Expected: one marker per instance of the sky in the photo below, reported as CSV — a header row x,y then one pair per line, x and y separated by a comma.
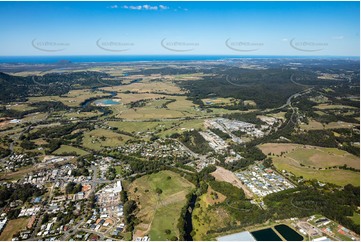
x,y
180,28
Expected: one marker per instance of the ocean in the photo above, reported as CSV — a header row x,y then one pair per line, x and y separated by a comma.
x,y
131,58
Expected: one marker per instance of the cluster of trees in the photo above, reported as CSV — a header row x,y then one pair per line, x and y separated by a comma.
x,y
21,192
269,88
16,88
221,134
111,173
4,152
82,171
246,117
195,142
73,187
305,201
130,207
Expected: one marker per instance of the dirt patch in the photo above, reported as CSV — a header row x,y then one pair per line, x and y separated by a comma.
x,y
4,122
12,227
225,175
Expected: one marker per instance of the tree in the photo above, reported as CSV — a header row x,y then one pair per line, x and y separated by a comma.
x,y
158,191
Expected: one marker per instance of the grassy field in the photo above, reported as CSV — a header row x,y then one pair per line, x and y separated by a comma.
x,y
20,107
331,106
162,128
314,156
314,125
159,212
148,87
82,114
12,227
99,138
153,110
356,218
68,149
204,219
311,161
72,99
218,101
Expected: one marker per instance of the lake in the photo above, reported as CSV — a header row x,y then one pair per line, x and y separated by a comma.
x,y
106,102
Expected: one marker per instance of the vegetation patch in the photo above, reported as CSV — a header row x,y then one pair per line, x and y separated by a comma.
x,y
160,198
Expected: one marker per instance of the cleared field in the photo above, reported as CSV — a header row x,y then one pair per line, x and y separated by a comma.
x,y
338,177
154,110
12,227
162,128
204,219
73,98
314,125
250,102
314,162
218,101
222,174
331,106
82,114
188,77
159,212
20,107
141,126
280,115
100,138
314,156
149,87
34,117
69,149
126,98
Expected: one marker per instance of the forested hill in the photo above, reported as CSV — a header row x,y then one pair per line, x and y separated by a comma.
x,y
16,88
13,88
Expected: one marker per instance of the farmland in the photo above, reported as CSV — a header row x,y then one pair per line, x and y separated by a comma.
x,y
97,139
159,212
69,149
313,162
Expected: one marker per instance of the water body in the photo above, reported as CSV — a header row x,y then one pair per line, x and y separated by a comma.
x,y
136,58
288,233
266,235
188,226
106,102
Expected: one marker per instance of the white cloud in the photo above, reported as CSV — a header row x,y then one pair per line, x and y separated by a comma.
x,y
145,7
163,7
114,6
284,39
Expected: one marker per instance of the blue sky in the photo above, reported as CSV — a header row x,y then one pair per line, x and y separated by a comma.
x,y
191,28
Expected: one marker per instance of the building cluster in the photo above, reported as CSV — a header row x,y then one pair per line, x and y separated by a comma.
x,y
159,148
16,161
332,229
26,212
214,141
108,200
262,182
145,238
229,126
60,177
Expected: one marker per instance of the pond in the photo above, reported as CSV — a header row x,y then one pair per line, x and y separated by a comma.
x,y
266,235
106,102
288,233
